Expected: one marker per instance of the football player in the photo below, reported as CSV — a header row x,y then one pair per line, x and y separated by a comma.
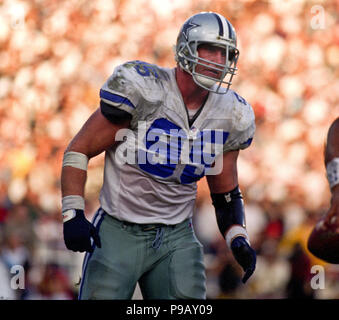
x,y
161,130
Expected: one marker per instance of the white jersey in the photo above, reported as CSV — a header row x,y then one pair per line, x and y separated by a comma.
x,y
151,176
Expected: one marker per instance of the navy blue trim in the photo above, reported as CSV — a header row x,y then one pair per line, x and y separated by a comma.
x,y
221,28
113,113
229,209
187,27
115,98
88,255
248,142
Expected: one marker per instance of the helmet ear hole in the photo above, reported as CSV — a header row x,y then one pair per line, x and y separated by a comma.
x,y
181,54
231,55
185,51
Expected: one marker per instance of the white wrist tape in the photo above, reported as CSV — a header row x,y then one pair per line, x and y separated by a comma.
x,y
75,159
73,202
332,169
236,231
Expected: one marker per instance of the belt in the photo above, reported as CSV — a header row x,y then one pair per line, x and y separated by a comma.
x,y
156,244
159,227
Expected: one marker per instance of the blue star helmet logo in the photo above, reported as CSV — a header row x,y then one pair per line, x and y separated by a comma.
x,y
189,25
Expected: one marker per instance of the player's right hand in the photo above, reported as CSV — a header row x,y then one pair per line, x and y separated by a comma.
x,y
78,231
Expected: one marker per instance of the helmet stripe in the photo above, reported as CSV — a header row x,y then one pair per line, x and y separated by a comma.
x,y
230,31
221,27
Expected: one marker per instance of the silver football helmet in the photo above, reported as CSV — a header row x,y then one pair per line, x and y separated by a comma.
x,y
208,28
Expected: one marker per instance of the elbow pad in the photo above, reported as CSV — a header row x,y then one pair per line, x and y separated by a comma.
x,y
230,214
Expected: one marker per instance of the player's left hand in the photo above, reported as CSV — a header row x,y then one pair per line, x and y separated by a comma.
x,y
244,255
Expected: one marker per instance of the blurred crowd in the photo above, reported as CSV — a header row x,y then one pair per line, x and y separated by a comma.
x,y
54,57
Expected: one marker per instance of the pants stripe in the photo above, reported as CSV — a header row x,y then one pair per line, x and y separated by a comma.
x,y
96,221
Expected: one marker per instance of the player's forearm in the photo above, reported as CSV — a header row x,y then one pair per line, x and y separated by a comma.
x,y
228,179
227,199
73,181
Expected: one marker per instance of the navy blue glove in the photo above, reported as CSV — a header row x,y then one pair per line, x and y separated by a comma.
x,y
244,255
78,232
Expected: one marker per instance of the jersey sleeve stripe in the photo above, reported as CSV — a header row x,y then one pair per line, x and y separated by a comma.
x,y
115,98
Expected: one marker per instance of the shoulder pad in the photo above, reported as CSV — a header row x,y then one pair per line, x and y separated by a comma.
x,y
136,79
243,114
122,79
139,70
143,69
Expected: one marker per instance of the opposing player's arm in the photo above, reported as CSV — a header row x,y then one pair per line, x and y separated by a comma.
x,y
229,208
332,155
332,145
323,241
332,169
